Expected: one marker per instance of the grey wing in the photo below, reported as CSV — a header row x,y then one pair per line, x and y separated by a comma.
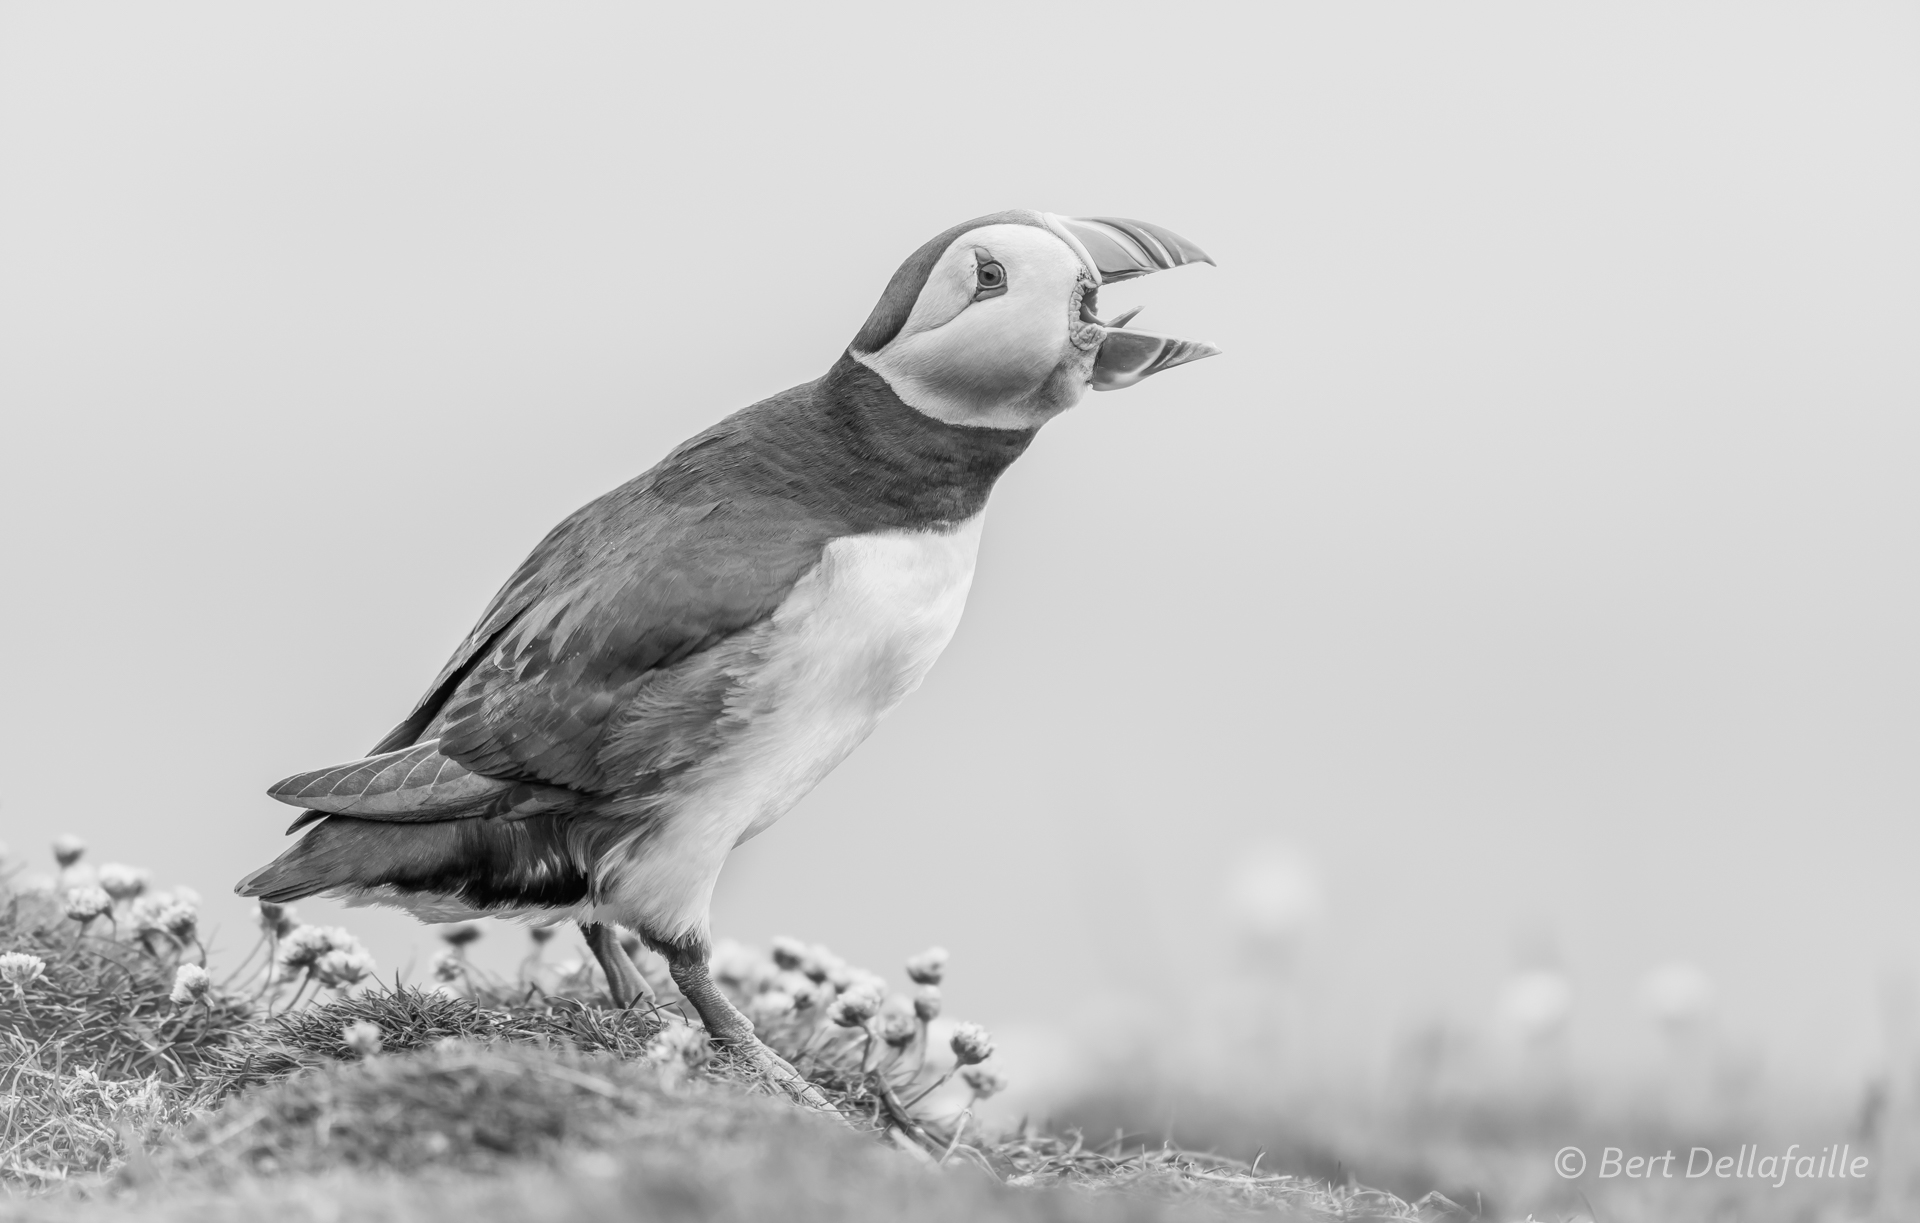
x,y
594,668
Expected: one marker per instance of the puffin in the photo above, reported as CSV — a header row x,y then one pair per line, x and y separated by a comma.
x,y
682,659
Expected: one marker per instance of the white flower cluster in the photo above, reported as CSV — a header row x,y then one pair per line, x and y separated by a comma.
x,y
19,969
175,914
85,904
811,1005
123,882
276,921
329,954
191,983
363,1039
678,1044
970,1044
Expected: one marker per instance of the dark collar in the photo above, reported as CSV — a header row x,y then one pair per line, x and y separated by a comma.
x,y
846,453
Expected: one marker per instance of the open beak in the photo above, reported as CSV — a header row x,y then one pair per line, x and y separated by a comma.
x,y
1116,249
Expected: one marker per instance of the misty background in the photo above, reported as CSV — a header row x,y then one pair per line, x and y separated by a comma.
x,y
1531,584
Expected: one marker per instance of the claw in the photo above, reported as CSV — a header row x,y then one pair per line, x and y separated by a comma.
x,y
780,1072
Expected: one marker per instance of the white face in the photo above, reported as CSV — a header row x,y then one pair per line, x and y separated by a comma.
x,y
996,338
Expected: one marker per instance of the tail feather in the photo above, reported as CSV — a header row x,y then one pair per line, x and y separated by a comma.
x,y
543,861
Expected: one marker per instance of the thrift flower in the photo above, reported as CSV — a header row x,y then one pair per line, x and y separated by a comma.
x,y
20,970
167,914
853,1008
276,921
447,966
123,882
67,849
460,935
304,945
790,953
983,1082
926,1003
971,1044
85,904
343,968
824,965
191,984
896,1028
929,967
362,1039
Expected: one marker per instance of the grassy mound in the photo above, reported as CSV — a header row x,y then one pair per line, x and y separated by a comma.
x,y
136,1085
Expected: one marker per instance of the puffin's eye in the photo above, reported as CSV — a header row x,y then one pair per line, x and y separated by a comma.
x,y
989,279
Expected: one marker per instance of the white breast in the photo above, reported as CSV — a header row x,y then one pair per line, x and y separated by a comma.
x,y
855,635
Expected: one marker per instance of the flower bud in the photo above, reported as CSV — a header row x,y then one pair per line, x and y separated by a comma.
x,y
541,935
971,1044
191,983
460,935
447,966
363,1039
983,1082
853,1008
123,882
789,953
929,967
823,965
67,849
896,1028
276,921
85,904
926,1003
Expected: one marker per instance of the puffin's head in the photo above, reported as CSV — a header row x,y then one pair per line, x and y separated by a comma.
x,y
993,324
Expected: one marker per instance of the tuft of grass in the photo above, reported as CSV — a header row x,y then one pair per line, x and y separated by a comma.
x,y
104,1003
410,1019
94,1051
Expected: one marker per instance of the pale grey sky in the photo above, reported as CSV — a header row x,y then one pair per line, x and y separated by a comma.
x,y
1539,560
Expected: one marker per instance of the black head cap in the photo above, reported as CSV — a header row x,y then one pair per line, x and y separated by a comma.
x,y
896,304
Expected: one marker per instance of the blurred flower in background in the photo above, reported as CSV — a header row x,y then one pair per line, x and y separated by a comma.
x,y
1274,902
1678,997
1536,1006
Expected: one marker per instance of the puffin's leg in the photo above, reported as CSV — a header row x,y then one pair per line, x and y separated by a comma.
x,y
624,981
727,1026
